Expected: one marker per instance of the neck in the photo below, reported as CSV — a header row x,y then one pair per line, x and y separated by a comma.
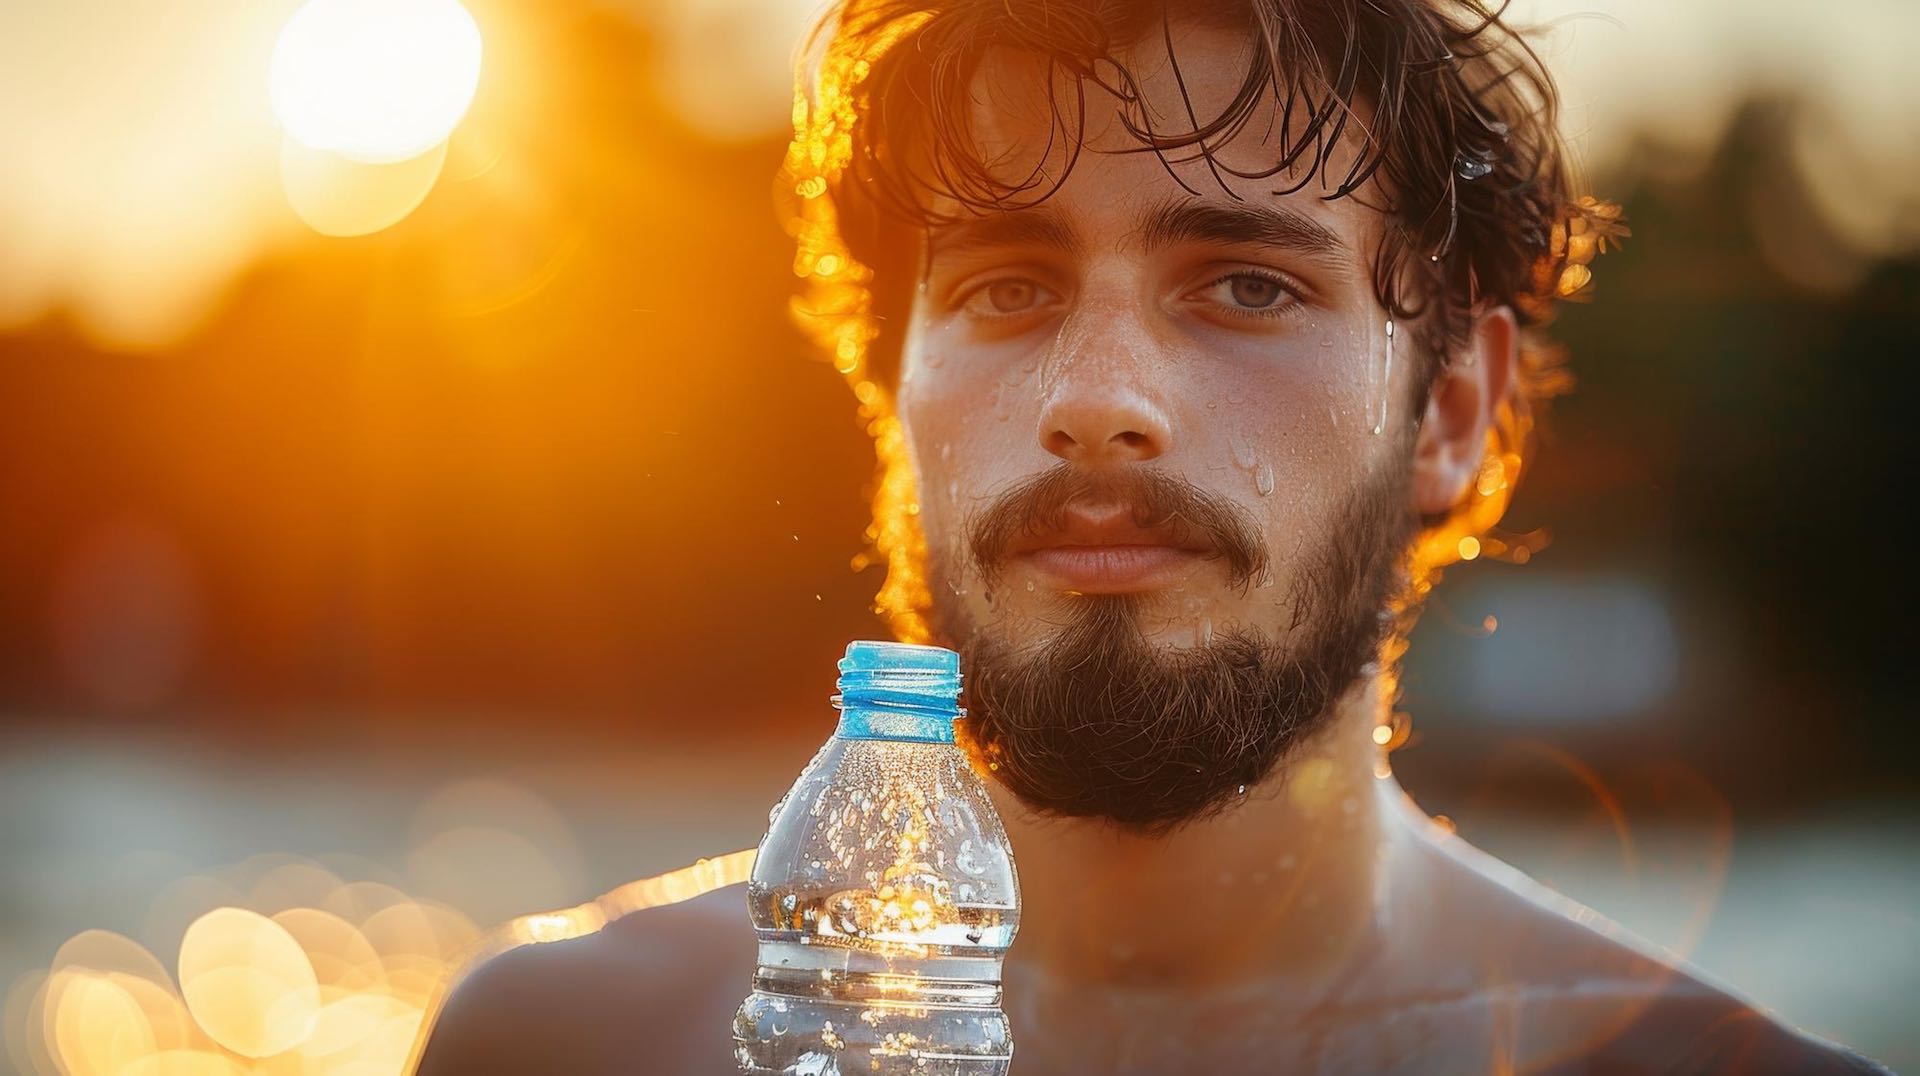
x,y
1280,886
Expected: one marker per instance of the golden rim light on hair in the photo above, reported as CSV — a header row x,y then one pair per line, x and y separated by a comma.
x,y
835,312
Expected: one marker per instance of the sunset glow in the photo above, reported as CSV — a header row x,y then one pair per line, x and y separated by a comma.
x,y
375,81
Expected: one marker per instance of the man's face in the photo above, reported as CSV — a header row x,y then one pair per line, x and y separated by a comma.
x,y
1163,441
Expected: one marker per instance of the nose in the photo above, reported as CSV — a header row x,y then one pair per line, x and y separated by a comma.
x,y
1103,419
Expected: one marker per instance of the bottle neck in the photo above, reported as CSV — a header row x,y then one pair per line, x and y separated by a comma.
x,y
873,719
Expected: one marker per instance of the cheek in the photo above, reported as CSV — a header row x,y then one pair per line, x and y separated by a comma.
x,y
1274,424
940,385
980,393
970,414
934,417
1290,438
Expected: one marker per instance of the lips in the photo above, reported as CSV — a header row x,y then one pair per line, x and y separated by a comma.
x,y
1103,551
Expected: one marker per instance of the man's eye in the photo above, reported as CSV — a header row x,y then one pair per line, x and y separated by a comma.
x,y
1006,298
1248,293
1255,291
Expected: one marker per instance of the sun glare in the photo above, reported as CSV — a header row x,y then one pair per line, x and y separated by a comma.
x,y
375,81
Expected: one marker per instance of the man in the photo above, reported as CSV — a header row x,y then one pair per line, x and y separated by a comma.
x,y
1195,339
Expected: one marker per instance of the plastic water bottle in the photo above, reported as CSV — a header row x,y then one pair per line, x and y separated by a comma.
x,y
884,895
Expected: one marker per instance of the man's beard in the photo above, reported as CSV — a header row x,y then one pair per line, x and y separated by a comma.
x,y
1095,721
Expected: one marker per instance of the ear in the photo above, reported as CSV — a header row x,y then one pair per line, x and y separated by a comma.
x,y
1467,395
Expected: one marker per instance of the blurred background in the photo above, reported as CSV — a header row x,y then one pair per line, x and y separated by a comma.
x,y
415,517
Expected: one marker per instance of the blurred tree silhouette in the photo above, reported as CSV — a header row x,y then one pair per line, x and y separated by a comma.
x,y
1732,437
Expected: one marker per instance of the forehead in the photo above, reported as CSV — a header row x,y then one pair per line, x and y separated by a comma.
x,y
1033,126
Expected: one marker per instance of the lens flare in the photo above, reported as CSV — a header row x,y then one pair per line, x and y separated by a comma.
x,y
376,81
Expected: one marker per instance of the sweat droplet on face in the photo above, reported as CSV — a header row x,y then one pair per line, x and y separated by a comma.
x,y
1386,380
1242,451
1263,478
1007,393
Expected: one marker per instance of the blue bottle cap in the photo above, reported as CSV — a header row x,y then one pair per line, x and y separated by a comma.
x,y
898,691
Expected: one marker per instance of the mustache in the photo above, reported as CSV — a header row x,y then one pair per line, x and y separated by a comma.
x,y
1040,504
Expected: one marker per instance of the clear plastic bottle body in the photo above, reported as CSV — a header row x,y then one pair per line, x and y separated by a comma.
x,y
884,899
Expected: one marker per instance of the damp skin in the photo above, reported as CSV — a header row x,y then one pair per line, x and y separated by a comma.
x,y
1257,371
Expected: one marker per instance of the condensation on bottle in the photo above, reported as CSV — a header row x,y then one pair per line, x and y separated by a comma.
x,y
883,896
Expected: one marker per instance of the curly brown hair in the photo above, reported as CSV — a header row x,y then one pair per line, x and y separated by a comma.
x,y
1454,114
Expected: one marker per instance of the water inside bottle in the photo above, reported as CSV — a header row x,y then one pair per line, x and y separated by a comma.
x,y
884,896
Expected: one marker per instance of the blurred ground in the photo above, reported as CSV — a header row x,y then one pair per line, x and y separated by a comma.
x,y
1815,917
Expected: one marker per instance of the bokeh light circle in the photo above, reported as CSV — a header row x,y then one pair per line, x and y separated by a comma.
x,y
375,81
94,1024
338,196
248,983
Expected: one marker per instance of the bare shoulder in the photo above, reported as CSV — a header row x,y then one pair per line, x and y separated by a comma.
x,y
1588,996
653,991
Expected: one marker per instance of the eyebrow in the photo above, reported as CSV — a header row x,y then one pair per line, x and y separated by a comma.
x,y
1163,226
1040,226
1239,222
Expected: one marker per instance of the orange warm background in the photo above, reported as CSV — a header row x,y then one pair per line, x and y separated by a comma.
x,y
502,555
